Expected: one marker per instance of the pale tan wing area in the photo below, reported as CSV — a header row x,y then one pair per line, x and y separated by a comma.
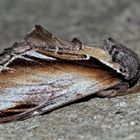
x,y
34,89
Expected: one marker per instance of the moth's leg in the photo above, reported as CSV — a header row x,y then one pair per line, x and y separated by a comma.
x,y
116,91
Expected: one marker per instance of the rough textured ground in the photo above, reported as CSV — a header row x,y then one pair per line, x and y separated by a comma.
x,y
116,118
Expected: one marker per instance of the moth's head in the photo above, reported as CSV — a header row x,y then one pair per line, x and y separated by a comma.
x,y
127,59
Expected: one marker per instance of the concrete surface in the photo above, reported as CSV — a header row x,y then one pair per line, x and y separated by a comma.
x,y
96,119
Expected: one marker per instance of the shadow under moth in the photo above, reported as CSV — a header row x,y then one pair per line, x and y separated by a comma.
x,y
44,72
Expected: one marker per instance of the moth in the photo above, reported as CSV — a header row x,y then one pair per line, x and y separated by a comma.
x,y
44,72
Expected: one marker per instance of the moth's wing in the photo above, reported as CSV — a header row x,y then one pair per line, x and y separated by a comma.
x,y
52,46
34,89
49,45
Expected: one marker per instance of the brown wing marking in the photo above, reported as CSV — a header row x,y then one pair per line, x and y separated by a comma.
x,y
36,89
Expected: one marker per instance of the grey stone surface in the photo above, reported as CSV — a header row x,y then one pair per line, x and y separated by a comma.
x,y
117,118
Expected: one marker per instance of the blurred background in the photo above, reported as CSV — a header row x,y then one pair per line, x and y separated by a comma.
x,y
88,20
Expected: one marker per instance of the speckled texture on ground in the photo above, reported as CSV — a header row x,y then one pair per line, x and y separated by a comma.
x,y
96,119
